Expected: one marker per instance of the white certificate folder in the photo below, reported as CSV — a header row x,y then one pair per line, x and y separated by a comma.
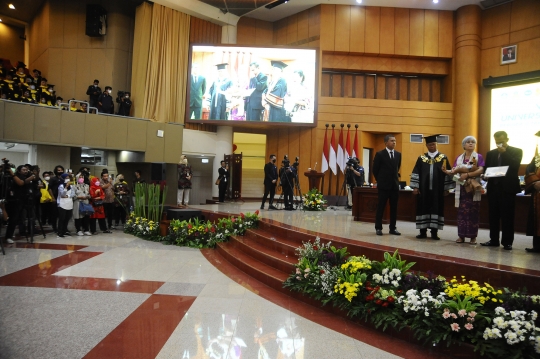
x,y
496,171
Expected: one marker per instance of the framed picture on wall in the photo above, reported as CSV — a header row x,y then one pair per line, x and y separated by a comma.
x,y
508,54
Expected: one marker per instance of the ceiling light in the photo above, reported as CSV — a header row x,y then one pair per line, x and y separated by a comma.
x,y
0,20
11,6
435,1
359,1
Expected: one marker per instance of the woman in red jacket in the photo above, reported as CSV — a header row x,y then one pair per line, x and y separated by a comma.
x,y
97,195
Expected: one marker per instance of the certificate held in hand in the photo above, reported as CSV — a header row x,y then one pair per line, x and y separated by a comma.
x,y
496,171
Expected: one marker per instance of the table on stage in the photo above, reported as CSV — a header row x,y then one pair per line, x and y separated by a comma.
x,y
365,201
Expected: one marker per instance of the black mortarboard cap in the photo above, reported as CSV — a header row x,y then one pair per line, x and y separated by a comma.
x,y
221,66
279,64
21,64
432,138
50,85
43,79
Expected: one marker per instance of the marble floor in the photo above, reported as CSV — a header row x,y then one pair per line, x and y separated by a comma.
x,y
117,296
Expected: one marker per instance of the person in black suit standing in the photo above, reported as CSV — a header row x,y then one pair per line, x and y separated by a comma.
x,y
196,93
386,167
501,191
94,91
270,181
223,180
258,83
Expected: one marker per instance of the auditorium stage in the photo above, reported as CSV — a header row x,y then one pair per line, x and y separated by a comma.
x,y
340,223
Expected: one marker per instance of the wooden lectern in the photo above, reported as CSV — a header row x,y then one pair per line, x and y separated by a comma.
x,y
314,178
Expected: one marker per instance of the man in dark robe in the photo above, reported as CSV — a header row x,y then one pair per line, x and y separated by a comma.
x,y
533,187
94,91
501,191
429,182
218,90
197,90
278,88
258,83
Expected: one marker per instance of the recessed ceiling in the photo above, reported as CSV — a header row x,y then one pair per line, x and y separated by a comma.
x,y
25,10
295,6
237,7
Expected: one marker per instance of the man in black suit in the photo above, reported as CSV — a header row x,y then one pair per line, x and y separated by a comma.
x,y
510,55
223,181
258,83
270,181
196,93
93,91
386,167
502,191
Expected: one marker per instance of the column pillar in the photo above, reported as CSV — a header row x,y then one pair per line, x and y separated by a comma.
x,y
468,43
228,34
224,144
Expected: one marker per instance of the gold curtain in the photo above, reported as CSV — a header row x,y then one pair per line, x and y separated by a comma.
x,y
160,63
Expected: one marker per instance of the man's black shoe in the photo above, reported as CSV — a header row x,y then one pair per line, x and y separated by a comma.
x,y
489,244
421,236
435,237
262,207
508,247
395,232
532,250
272,207
378,232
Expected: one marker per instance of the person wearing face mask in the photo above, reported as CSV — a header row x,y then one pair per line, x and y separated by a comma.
x,y
270,182
184,181
105,101
94,91
46,201
121,191
82,195
108,201
125,103
65,204
54,182
97,195
17,199
429,182
223,180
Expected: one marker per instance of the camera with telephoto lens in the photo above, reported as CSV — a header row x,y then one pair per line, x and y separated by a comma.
x,y
296,163
120,94
351,162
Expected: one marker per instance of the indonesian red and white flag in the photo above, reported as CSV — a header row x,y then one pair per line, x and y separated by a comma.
x,y
332,153
325,152
340,152
355,152
348,152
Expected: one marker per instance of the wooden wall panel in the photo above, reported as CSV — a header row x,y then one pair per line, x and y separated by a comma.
x,y
413,89
328,25
387,31
303,25
348,85
426,90
370,87
403,89
431,33
204,32
446,33
392,88
372,35
280,32
343,28
495,21
314,21
325,85
292,29
336,85
416,34
525,14
401,31
381,87
436,90
358,28
359,86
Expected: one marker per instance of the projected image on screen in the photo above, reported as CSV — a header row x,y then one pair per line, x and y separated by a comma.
x,y
250,84
516,110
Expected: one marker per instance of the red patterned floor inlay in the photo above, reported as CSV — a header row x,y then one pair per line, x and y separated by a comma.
x,y
383,341
61,247
145,331
41,275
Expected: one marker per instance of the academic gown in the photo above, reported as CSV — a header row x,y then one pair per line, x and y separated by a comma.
x,y
428,177
278,114
218,101
254,105
533,222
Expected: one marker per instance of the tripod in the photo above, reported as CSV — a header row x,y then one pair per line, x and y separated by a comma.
x,y
30,209
298,191
283,176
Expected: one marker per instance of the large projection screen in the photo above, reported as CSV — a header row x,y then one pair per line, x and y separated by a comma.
x,y
252,85
516,110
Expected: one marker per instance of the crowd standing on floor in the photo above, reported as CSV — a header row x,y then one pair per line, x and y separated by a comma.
x,y
53,198
18,84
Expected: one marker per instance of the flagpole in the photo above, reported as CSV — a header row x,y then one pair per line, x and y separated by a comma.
x,y
330,177
325,137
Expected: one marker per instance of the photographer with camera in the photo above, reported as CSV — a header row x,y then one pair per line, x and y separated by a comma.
x,y
354,173
270,182
122,98
19,196
287,177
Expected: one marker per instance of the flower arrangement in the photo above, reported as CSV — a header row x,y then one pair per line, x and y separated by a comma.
x,y
498,322
142,227
314,201
198,233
